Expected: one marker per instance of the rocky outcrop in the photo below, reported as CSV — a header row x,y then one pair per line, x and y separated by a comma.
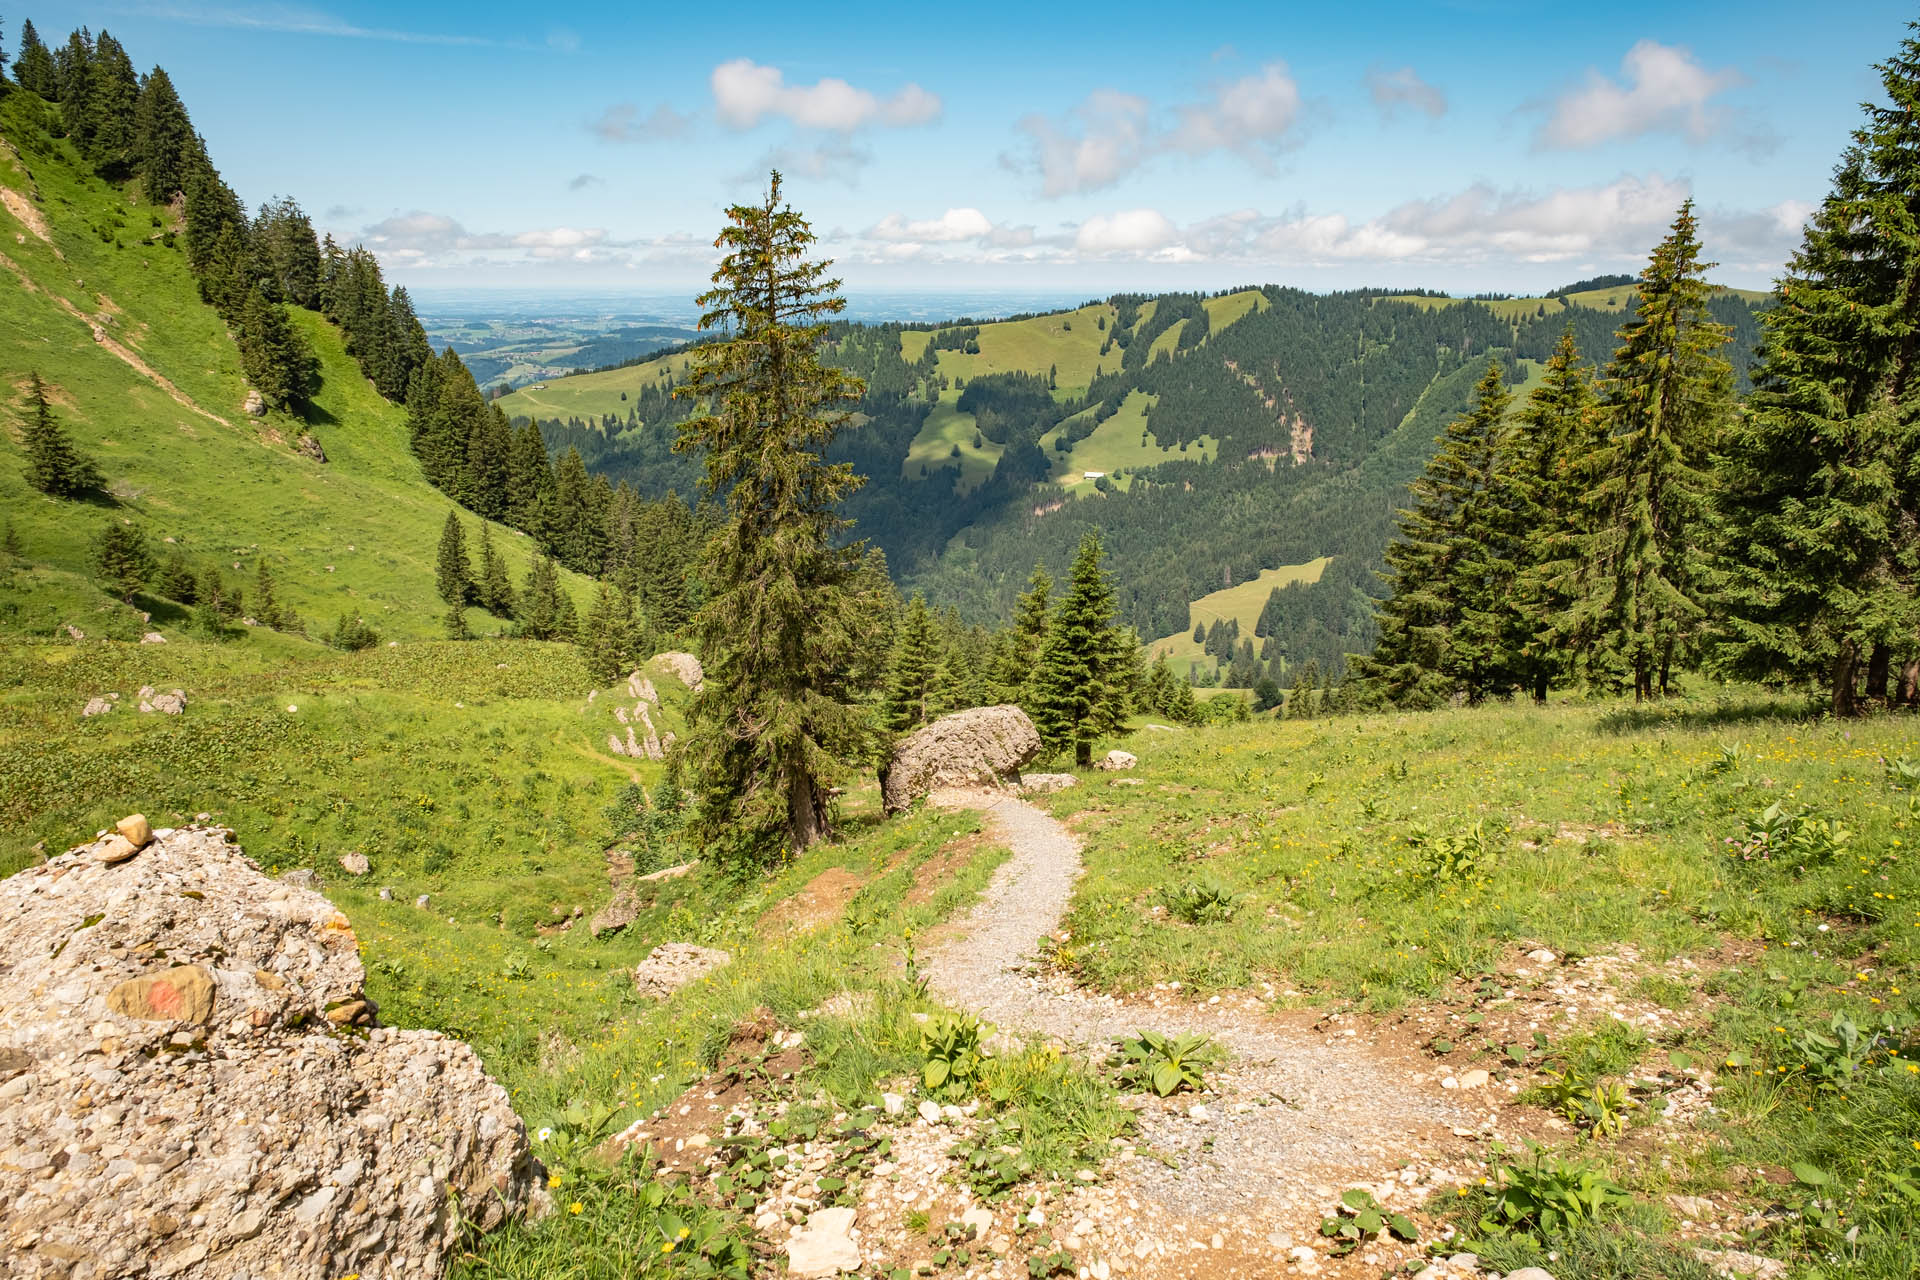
x,y
309,445
981,745
192,1084
685,668
672,965
255,405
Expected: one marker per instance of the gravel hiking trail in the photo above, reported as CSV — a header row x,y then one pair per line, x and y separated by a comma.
x,y
1293,1116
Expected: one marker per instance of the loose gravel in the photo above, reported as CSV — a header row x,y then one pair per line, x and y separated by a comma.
x,y
1292,1117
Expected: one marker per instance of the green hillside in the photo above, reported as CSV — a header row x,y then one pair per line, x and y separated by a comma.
x,y
1242,602
147,381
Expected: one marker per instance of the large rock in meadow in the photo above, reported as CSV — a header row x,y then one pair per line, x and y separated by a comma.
x,y
192,1084
982,745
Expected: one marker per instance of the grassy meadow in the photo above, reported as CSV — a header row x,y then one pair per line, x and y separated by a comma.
x,y
1120,444
1243,601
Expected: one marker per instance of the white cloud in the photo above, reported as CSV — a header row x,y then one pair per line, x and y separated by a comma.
x,y
436,239
1134,232
1392,90
622,122
1666,90
1110,134
745,93
953,225
957,234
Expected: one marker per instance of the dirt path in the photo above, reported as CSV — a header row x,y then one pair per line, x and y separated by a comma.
x,y
1294,1117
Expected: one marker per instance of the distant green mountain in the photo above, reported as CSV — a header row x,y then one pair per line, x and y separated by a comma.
x,y
1212,438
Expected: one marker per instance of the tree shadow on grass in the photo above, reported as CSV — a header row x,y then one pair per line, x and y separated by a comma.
x,y
1728,713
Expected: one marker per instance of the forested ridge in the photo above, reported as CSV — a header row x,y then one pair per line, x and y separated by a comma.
x,y
1323,408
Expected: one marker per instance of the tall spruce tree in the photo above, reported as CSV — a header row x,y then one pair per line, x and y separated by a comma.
x,y
1819,491
1082,684
164,147
1435,639
1018,650
1668,393
33,69
113,94
781,626
1556,436
453,575
493,587
612,639
910,680
273,355
54,466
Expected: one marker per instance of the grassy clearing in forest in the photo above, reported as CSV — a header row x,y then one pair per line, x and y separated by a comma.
x,y
948,429
1243,601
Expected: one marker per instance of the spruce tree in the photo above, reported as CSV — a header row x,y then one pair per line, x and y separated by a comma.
x,y
1667,394
781,628
54,466
911,678
113,93
1020,645
612,639
33,69
163,143
122,559
455,621
267,610
494,588
1081,684
1424,654
1817,498
1556,436
453,577
545,611
177,580
272,354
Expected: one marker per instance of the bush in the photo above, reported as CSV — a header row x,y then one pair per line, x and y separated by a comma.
x,y
352,633
1166,1065
1204,901
1547,1194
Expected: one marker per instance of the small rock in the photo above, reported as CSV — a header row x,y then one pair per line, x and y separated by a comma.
x,y
1694,1208
1530,1273
1117,760
96,707
1198,1111
114,848
672,965
1464,1261
301,878
354,864
153,637
1542,956
169,704
893,1104
386,893
981,1220
1474,1079
824,1248
254,406
423,901
1045,782
1736,1265
929,1111
136,828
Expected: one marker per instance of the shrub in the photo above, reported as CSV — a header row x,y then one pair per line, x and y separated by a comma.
x,y
352,633
954,1058
1204,901
1166,1065
1546,1194
1795,839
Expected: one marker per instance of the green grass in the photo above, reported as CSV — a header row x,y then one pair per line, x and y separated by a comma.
x,y
357,533
1614,299
1120,444
1224,311
1243,601
946,429
1596,828
591,395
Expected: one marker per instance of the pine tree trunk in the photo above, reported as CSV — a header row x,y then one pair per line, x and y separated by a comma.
x,y
1846,666
1666,669
1879,667
1909,694
806,815
1083,752
1642,680
1540,687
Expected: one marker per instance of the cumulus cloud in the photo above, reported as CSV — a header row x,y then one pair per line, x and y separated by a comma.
x,y
434,239
1110,134
955,235
622,122
1134,232
1392,90
745,93
1662,89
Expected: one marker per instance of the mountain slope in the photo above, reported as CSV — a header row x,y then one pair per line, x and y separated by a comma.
x,y
146,380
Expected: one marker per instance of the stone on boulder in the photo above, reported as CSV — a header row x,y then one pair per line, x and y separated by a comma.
x,y
672,965
685,668
183,1073
137,830
982,745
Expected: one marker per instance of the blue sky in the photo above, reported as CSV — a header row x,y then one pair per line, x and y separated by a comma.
x,y
1469,145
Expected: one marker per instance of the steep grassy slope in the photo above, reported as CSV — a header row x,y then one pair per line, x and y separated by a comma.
x,y
147,381
1243,602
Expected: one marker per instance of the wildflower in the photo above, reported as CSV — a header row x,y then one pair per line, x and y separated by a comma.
x,y
553,1180
575,1207
543,1135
